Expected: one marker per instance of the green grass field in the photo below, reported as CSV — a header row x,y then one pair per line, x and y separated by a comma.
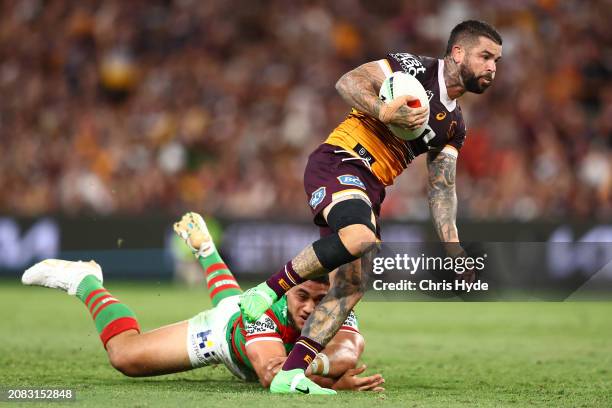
x,y
432,354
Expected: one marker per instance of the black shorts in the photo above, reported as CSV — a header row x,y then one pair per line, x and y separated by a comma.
x,y
327,177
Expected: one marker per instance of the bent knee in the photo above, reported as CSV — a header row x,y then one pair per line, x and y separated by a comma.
x,y
356,238
125,362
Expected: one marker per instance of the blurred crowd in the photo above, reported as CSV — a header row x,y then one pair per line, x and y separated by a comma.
x,y
126,107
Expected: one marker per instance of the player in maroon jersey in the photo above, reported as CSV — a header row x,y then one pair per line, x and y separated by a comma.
x,y
346,176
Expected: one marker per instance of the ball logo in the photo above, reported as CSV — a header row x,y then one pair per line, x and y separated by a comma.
x,y
317,197
350,180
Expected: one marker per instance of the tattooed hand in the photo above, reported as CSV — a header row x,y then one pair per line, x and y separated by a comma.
x,y
359,88
397,112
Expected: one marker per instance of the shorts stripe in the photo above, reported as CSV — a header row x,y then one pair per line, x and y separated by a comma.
x,y
340,194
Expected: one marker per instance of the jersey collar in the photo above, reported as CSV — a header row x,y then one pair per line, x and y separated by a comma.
x,y
449,104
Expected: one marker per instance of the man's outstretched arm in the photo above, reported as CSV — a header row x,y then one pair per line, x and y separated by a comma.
x,y
342,353
262,355
342,373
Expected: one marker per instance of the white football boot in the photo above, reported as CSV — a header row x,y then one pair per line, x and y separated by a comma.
x,y
60,274
192,229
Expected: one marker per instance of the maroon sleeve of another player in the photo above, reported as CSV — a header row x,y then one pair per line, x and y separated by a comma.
x,y
460,132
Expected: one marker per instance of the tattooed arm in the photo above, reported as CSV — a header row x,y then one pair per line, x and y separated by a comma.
x,y
443,198
359,88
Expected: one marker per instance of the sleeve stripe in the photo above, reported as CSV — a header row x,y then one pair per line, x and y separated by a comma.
x,y
349,328
385,67
267,334
253,340
451,150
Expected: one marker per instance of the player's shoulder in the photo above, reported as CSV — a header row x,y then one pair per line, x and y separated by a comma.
x,y
412,64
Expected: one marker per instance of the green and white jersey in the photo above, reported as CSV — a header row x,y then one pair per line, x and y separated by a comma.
x,y
274,325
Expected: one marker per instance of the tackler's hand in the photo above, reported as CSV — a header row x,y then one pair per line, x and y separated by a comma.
x,y
352,381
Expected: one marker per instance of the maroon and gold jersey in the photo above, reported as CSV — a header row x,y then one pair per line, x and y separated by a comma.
x,y
369,138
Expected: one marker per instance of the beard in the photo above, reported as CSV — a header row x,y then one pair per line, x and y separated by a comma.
x,y
472,82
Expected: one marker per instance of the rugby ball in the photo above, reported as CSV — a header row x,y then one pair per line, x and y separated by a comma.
x,y
401,84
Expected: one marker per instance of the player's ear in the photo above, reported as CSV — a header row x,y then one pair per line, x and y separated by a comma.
x,y
458,53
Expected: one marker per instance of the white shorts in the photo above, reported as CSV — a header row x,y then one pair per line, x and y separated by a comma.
x,y
206,338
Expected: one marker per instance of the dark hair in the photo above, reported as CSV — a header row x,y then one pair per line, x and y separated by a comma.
x,y
470,30
321,279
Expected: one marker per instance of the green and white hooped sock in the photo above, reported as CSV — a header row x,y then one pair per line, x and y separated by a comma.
x,y
111,317
219,280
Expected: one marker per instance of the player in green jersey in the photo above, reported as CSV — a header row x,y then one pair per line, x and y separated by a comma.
x,y
250,351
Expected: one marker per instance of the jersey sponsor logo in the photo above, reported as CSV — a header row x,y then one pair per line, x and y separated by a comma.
x,y
350,180
265,325
203,336
317,197
409,63
204,343
441,116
